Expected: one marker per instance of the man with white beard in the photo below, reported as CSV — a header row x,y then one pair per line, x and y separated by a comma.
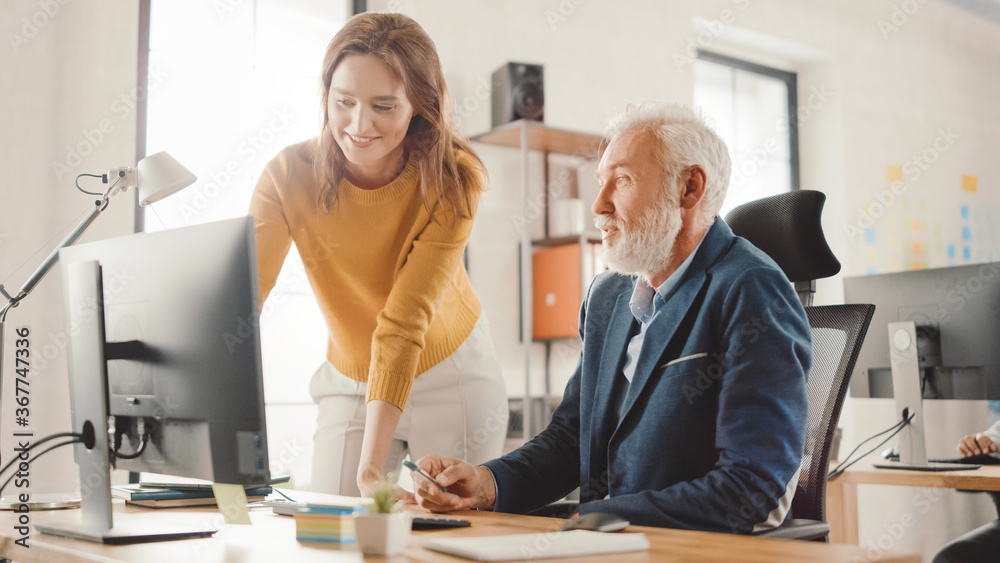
x,y
688,406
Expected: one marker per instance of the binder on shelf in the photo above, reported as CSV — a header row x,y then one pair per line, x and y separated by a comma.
x,y
559,277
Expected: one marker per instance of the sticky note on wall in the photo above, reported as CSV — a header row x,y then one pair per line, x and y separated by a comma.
x,y
969,182
893,172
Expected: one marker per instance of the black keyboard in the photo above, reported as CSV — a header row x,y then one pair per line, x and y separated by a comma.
x,y
992,458
438,522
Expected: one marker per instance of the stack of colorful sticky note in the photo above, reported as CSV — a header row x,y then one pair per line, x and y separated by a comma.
x,y
325,523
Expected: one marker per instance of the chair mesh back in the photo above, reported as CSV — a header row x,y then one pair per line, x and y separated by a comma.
x,y
788,227
837,334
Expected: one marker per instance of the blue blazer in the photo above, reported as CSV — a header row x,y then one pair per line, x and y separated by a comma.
x,y
713,424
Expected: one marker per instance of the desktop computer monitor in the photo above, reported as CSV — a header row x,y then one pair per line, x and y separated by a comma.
x,y
943,342
164,361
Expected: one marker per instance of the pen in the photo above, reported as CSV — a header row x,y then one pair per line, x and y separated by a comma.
x,y
414,467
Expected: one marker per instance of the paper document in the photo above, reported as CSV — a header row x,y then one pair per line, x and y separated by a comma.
x,y
538,546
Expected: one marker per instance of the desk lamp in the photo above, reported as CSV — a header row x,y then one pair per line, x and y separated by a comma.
x,y
156,177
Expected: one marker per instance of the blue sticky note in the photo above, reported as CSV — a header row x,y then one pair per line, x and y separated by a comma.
x,y
871,272
966,233
966,253
965,212
951,251
870,235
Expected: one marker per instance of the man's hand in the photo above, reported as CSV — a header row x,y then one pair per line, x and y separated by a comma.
x,y
976,444
468,486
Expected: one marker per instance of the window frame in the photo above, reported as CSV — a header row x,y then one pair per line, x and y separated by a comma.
x,y
791,83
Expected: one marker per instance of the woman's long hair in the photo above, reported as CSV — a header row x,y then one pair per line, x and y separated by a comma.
x,y
431,137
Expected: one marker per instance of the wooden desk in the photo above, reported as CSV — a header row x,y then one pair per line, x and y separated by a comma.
x,y
842,492
272,539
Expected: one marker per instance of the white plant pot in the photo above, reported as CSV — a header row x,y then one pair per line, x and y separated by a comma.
x,y
382,534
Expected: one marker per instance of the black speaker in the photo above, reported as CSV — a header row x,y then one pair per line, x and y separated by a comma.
x,y
517,93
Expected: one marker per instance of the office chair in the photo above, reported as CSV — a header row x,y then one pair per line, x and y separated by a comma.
x,y
787,228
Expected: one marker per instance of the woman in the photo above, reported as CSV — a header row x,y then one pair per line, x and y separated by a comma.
x,y
380,208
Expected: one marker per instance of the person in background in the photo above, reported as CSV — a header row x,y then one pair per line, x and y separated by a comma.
x,y
380,207
688,405
983,543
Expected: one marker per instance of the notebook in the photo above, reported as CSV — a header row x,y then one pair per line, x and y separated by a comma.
x,y
538,546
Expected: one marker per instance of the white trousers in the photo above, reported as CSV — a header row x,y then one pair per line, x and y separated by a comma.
x,y
456,409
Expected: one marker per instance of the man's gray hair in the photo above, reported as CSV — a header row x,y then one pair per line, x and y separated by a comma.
x,y
685,139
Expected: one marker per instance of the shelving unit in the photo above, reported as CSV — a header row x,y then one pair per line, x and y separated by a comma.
x,y
532,136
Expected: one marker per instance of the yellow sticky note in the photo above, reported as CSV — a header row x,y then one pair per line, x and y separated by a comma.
x,y
892,222
893,173
232,501
937,229
871,257
923,204
894,265
893,243
969,182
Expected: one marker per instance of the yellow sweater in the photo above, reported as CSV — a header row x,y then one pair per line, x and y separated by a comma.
x,y
389,281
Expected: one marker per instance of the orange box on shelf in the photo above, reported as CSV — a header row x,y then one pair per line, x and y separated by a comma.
x,y
558,286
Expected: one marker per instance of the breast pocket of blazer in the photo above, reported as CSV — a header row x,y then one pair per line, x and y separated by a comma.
x,y
691,363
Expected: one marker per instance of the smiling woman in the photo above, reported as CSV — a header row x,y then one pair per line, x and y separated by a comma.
x,y
380,208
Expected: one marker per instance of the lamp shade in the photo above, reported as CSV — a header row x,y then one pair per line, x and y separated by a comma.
x,y
160,175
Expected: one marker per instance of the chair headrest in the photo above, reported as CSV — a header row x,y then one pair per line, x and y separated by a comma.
x,y
788,227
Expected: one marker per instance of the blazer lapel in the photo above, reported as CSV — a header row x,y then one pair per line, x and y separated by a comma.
x,y
661,331
615,341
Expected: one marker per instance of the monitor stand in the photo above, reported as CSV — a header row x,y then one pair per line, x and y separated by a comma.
x,y
88,376
909,399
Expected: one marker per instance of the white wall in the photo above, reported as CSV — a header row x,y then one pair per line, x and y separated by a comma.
x,y
877,80
65,68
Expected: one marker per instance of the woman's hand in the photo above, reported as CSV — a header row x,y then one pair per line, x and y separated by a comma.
x,y
380,425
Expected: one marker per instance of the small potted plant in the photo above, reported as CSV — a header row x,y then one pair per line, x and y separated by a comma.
x,y
384,529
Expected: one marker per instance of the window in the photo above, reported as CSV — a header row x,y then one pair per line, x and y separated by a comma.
x,y
753,107
229,85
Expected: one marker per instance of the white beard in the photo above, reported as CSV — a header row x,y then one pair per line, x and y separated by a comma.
x,y
645,246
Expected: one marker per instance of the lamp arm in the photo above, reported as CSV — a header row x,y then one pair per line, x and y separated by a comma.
x,y
39,273
53,257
